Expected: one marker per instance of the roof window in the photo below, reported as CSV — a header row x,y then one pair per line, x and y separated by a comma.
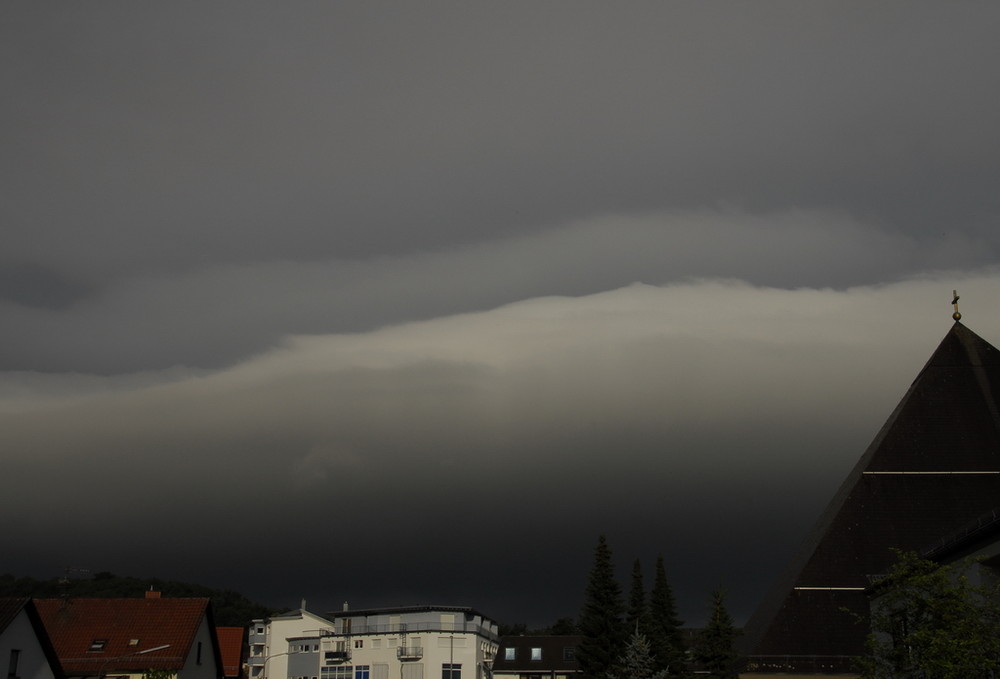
x,y
98,645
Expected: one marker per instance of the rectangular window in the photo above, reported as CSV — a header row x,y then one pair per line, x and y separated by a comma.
x,y
451,671
359,643
569,652
362,672
15,657
510,653
198,654
536,653
97,644
380,671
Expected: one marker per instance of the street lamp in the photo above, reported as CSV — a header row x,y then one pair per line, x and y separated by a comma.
x,y
100,672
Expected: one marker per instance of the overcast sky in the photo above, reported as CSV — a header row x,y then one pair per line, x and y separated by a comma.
x,y
402,303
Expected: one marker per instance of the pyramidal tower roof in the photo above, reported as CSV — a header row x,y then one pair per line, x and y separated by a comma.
x,y
932,468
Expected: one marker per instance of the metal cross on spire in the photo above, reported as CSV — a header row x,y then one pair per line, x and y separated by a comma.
x,y
957,316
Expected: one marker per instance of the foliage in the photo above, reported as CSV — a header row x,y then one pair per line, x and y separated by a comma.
x,y
666,638
159,674
229,608
601,624
637,662
930,620
637,618
715,645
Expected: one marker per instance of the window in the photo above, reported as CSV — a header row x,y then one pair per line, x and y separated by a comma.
x,y
359,643
97,644
451,671
362,672
339,672
197,658
569,652
536,653
510,653
15,656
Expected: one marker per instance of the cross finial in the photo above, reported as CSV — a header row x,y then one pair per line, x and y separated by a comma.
x,y
957,316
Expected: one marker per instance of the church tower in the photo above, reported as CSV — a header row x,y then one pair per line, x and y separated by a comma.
x,y
933,468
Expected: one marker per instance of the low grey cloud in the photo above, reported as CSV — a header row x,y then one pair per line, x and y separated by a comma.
x,y
672,418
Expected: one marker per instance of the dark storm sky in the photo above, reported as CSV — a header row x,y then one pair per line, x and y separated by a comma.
x,y
405,303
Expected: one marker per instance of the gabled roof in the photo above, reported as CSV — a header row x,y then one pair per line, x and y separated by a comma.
x,y
231,649
127,627
9,609
928,472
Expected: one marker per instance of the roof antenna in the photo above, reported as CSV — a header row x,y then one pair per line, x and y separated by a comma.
x,y
957,316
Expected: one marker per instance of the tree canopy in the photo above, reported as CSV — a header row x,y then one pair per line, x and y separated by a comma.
x,y
932,620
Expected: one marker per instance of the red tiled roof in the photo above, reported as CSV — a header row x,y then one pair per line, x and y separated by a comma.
x,y
231,648
127,627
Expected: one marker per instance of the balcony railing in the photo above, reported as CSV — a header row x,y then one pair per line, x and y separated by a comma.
x,y
340,655
410,652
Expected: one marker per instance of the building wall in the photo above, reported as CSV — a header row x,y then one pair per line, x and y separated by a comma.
x,y
31,661
201,662
270,651
437,644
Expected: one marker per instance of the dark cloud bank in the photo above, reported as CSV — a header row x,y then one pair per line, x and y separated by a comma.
x,y
398,304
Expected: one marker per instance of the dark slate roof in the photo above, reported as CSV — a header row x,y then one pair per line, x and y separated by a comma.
x,y
552,651
944,434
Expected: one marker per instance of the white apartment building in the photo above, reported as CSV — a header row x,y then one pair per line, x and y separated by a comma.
x,y
268,641
415,642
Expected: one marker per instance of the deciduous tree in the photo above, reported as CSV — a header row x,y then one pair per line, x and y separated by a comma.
x,y
931,620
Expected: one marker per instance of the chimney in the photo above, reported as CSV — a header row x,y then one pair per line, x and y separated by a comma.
x,y
152,595
345,606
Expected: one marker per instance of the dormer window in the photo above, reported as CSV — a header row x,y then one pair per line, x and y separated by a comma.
x,y
97,645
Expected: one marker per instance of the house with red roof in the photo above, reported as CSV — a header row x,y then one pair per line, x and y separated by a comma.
x,y
102,638
24,645
233,647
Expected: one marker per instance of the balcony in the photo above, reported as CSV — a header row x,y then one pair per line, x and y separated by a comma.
x,y
410,652
340,655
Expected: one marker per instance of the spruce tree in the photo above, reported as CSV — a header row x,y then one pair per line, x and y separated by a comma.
x,y
637,619
665,636
601,624
637,662
715,648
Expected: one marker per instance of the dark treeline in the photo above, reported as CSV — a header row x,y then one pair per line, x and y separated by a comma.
x,y
644,639
230,609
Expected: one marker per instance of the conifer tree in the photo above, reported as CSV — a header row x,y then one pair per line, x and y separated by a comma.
x,y
715,647
637,619
637,662
665,636
601,624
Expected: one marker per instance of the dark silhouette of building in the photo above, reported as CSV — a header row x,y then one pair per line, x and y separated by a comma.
x,y
933,468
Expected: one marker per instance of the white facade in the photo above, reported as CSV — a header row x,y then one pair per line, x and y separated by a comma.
x,y
420,642
269,645
21,650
